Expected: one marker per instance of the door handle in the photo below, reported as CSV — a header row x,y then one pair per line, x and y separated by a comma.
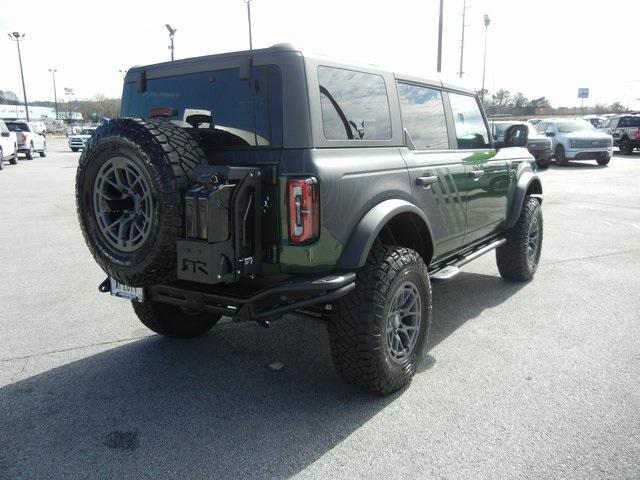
x,y
476,173
426,182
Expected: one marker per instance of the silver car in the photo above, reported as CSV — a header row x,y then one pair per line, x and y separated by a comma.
x,y
575,139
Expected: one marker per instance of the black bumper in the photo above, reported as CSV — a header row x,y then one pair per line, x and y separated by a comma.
x,y
262,304
590,155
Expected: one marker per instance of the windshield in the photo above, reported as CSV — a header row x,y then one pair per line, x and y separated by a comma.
x,y
577,126
17,127
500,128
227,109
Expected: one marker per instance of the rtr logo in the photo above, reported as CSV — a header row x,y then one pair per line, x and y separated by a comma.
x,y
195,266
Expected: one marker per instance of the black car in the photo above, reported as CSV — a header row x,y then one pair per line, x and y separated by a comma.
x,y
538,145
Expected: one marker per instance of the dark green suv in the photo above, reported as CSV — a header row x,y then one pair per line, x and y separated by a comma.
x,y
254,184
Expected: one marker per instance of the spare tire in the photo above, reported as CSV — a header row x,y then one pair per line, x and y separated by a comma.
x,y
129,197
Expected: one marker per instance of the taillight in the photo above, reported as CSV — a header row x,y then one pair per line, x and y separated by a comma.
x,y
304,209
638,134
23,138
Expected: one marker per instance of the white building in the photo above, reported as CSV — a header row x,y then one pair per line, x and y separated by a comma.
x,y
12,112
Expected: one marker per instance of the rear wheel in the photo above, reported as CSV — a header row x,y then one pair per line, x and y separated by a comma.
x,y
518,258
173,321
30,152
625,146
14,159
378,332
560,155
542,163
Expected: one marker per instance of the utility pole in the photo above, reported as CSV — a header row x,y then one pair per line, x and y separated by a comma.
x,y
172,32
487,21
440,37
464,17
248,2
17,36
69,92
55,94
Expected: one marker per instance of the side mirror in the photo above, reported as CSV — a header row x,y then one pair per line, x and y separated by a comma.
x,y
550,134
516,136
5,134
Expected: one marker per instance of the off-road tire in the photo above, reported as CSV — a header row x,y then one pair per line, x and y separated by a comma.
x,y
166,155
172,321
625,146
512,257
357,326
560,156
543,163
604,160
29,153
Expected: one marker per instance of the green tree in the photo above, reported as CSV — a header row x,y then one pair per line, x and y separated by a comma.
x,y
617,107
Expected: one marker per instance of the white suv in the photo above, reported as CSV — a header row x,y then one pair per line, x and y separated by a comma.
x,y
576,139
8,146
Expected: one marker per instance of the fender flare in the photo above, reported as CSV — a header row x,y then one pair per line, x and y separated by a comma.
x,y
528,180
361,240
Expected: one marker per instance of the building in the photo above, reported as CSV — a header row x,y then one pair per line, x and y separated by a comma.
x,y
12,112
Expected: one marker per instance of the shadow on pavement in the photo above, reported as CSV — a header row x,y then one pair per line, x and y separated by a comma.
x,y
204,408
577,165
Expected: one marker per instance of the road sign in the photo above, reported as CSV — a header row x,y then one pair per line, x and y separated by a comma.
x,y
583,93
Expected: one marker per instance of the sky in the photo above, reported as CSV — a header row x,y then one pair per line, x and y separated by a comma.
x,y
540,48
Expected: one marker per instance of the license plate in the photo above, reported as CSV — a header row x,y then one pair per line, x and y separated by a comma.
x,y
125,291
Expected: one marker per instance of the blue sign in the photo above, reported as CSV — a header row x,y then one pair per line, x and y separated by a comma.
x,y
583,93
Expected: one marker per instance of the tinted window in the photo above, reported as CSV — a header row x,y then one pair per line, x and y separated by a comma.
x,y
18,127
423,116
629,122
471,130
354,105
250,111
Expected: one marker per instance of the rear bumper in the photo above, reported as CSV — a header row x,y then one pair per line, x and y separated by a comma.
x,y
263,304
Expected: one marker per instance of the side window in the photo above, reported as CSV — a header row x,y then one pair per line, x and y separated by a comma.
x,y
423,116
542,126
551,128
623,122
354,105
471,130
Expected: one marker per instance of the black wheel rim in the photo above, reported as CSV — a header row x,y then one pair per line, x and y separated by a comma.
x,y
533,241
122,204
403,321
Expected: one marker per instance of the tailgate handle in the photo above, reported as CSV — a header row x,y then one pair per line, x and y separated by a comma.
x,y
426,182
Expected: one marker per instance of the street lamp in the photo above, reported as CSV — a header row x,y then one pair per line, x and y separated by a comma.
x,y
172,32
487,21
123,73
17,37
55,94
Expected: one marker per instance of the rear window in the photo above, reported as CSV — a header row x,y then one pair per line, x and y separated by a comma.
x,y
354,105
18,127
249,111
629,122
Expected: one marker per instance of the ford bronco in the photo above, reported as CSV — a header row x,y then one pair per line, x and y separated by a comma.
x,y
254,184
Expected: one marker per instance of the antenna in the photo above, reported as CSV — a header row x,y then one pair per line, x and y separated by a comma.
x,y
248,2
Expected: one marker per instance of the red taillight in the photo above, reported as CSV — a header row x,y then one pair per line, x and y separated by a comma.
x,y
23,138
304,209
638,134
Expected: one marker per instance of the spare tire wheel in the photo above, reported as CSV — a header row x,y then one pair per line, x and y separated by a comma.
x,y
129,199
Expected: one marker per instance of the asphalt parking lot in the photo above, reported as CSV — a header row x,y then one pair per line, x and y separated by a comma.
x,y
539,380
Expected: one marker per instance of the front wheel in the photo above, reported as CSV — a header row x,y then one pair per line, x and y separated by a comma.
x,y
73,149
560,155
604,160
172,321
1,159
378,332
542,163
43,153
14,159
518,258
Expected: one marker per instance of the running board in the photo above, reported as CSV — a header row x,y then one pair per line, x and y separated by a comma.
x,y
450,271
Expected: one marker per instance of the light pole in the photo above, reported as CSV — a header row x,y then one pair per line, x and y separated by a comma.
x,y
248,2
17,37
172,32
55,94
487,21
440,38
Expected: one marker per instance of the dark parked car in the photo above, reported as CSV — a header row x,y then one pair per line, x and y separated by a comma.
x,y
625,130
251,185
538,145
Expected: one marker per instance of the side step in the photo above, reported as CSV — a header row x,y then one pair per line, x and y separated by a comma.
x,y
450,271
